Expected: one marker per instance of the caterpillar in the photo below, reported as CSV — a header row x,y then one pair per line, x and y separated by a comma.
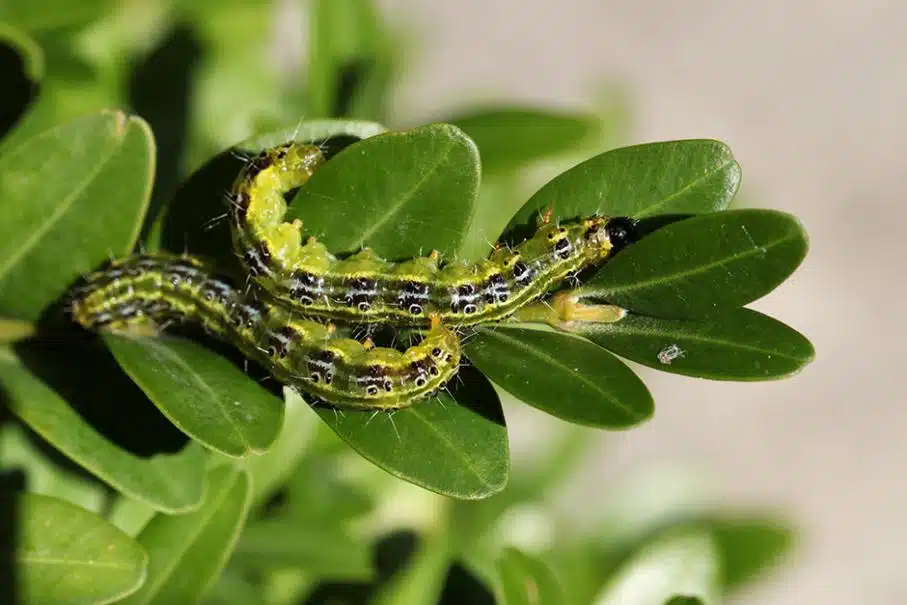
x,y
156,289
363,288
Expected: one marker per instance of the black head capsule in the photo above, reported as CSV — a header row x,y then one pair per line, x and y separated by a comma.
x,y
621,232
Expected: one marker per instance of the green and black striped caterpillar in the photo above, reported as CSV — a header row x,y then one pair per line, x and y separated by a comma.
x,y
305,276
301,282
301,353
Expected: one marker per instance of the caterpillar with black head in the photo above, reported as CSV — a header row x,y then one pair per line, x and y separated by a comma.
x,y
307,277
157,289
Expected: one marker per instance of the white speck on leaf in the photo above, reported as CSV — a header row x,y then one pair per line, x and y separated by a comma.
x,y
668,354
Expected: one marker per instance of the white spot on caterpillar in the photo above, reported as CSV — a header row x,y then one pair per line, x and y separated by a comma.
x,y
668,354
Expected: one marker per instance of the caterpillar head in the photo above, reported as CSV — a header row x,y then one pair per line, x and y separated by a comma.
x,y
605,236
294,158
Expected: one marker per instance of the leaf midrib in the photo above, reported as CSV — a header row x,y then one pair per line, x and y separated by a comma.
x,y
467,461
178,359
631,412
635,331
648,210
407,195
678,275
32,559
62,209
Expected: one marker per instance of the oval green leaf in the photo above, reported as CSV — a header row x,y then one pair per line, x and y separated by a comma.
x,y
703,265
402,193
454,447
44,476
740,344
567,377
509,138
671,177
68,555
187,552
201,393
677,562
313,131
72,196
527,581
321,549
170,483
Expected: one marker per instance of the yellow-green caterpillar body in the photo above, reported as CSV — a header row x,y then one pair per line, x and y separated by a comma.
x,y
301,353
302,274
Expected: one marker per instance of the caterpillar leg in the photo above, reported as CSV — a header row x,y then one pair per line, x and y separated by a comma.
x,y
565,309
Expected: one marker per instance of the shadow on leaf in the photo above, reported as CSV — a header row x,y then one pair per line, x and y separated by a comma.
x,y
18,90
160,91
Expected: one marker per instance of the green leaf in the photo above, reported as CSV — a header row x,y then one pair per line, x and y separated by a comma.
x,y
740,344
312,131
672,177
344,35
69,555
456,448
12,330
30,51
703,265
749,547
320,549
402,193
273,468
187,552
678,562
511,137
52,14
565,376
527,581
170,483
130,515
72,196
201,393
43,476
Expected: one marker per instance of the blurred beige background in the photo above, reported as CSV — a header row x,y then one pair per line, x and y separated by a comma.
x,y
811,97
